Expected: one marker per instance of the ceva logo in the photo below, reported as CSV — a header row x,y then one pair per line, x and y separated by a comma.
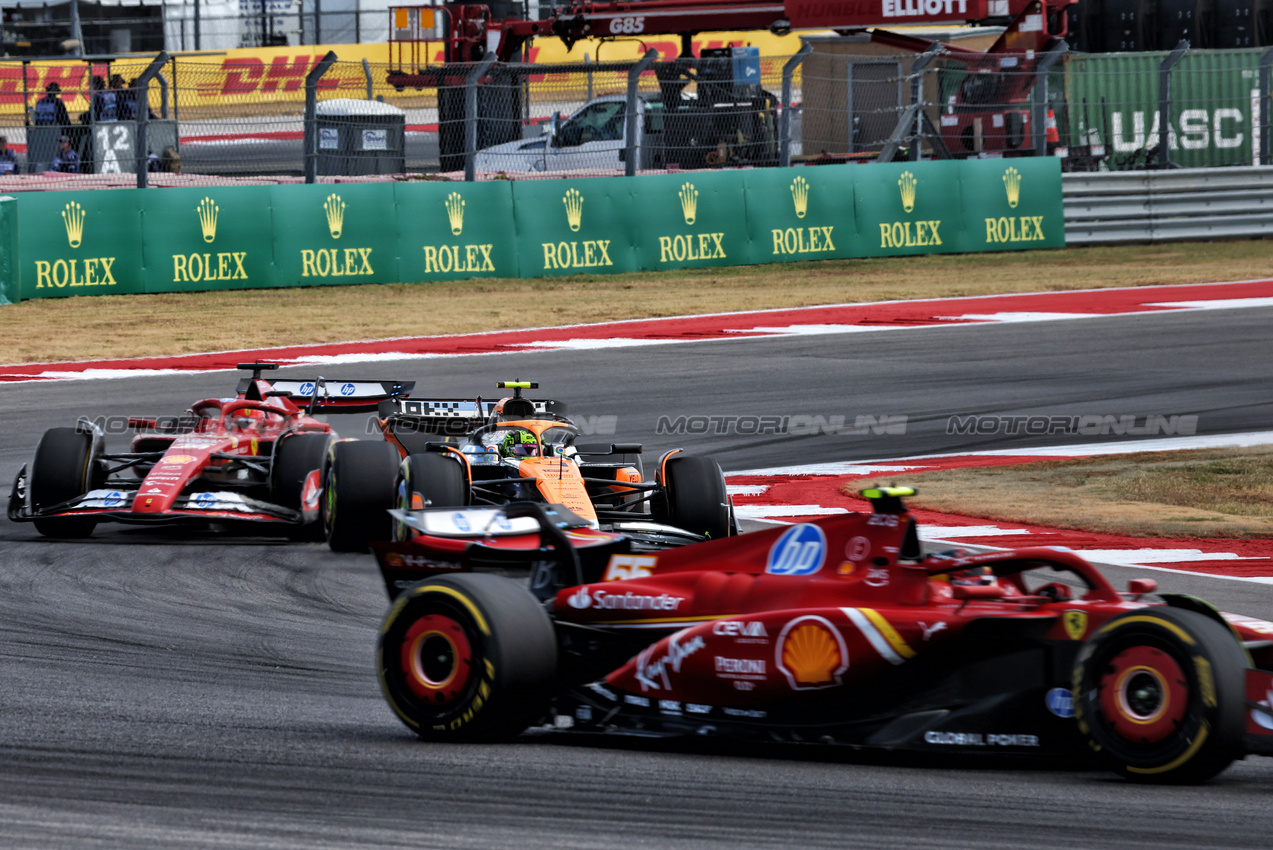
x,y
580,599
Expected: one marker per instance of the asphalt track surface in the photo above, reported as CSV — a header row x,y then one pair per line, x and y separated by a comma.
x,y
158,691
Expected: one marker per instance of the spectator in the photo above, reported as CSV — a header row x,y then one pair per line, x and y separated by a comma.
x,y
8,161
105,105
128,103
50,110
170,162
67,160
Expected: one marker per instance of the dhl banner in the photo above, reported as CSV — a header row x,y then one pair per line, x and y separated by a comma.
x,y
246,76
236,237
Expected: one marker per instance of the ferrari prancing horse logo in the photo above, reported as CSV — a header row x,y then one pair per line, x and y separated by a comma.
x,y
1075,624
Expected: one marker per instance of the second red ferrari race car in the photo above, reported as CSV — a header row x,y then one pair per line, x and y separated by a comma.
x,y
838,631
254,459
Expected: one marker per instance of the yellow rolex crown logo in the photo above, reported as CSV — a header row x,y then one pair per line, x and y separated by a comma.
x,y
800,194
574,208
689,202
455,212
335,209
907,184
73,218
208,218
1012,182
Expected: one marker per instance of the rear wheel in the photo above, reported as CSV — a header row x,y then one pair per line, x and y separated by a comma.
x,y
61,470
1159,693
429,481
694,489
358,493
467,658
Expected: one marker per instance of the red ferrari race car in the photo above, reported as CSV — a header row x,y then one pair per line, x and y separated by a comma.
x,y
256,458
836,631
459,452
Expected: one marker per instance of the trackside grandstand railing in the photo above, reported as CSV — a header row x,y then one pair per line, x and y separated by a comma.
x,y
215,119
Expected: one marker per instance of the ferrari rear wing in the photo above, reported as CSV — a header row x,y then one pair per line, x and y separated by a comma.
x,y
326,395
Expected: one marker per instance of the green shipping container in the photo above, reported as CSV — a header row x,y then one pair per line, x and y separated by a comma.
x,y
1112,99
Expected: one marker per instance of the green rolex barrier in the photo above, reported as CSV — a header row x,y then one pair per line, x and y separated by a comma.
x,y
578,226
689,220
329,235
10,281
909,208
209,238
800,214
1012,204
175,240
452,231
80,243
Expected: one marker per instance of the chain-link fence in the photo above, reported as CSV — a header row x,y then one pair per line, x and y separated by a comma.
x,y
210,119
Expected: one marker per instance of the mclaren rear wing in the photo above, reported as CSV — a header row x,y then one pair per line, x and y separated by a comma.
x,y
451,416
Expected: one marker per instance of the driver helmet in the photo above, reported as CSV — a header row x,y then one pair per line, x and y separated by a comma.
x,y
519,444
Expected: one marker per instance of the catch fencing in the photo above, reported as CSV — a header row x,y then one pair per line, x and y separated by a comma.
x,y
245,118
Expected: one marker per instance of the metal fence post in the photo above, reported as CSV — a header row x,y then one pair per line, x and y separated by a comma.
x,y
784,117
163,94
142,93
470,115
366,72
1164,101
630,124
1039,114
1266,61
918,67
311,115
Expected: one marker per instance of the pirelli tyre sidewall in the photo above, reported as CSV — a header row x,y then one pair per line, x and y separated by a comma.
x,y
1158,692
467,658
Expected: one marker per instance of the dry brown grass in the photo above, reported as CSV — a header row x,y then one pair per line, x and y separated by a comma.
x,y
129,325
1226,493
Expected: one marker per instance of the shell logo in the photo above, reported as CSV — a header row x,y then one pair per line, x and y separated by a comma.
x,y
179,459
811,653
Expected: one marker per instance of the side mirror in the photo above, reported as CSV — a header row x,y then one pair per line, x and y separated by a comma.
x,y
976,591
1138,587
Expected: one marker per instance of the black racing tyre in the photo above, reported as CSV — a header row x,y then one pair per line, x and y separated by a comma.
x,y
295,457
430,480
469,657
1159,694
358,493
694,489
61,470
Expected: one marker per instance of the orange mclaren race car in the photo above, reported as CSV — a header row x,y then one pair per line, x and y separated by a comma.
x,y
461,452
253,460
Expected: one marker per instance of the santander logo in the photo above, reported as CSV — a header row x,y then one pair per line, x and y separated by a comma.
x,y
580,599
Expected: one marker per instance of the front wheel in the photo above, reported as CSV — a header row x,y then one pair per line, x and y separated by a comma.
x,y
61,470
467,658
694,489
1159,694
430,480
